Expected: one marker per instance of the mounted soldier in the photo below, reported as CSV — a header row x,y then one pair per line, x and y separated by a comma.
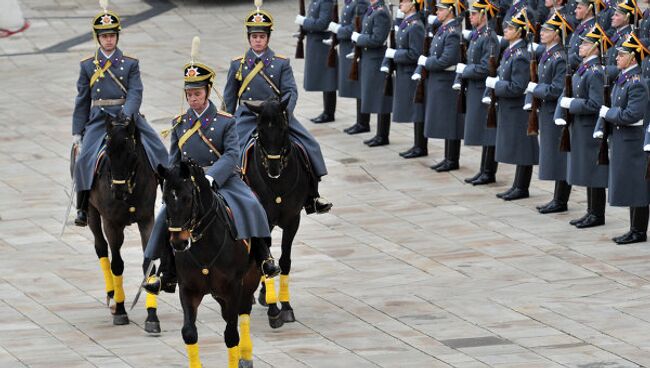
x,y
261,74
109,84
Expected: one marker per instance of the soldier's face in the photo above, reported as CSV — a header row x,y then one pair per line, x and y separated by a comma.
x,y
618,19
586,49
624,60
443,14
108,41
406,6
581,11
197,98
547,36
475,18
258,41
510,33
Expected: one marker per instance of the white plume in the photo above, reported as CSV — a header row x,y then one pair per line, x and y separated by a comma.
x,y
258,3
104,5
196,43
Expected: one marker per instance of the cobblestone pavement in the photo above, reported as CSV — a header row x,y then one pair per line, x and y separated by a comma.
x,y
411,268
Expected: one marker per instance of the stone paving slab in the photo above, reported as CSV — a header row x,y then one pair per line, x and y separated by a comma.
x,y
411,269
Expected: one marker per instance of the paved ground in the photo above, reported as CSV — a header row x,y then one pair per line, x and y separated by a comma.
x,y
412,268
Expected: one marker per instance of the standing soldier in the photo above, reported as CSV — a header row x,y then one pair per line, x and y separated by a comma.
x,y
550,73
376,25
318,75
260,74
109,84
624,15
585,11
442,118
410,39
483,43
628,186
347,87
513,145
582,167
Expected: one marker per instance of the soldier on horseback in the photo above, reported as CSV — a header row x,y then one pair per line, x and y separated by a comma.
x,y
208,137
261,74
109,84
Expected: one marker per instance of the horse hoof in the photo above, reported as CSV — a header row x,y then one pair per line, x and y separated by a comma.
x,y
287,316
276,321
152,327
245,363
262,299
120,319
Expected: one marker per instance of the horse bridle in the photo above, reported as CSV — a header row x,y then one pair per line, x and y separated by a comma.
x,y
266,157
130,179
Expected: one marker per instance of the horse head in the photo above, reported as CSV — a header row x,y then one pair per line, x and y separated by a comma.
x,y
121,150
272,133
184,183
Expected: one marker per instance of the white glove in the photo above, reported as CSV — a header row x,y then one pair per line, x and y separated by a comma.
x,y
460,67
646,148
396,28
355,36
390,53
598,134
535,46
384,69
416,76
399,14
565,103
422,60
527,107
560,122
431,19
455,86
350,55
76,139
327,41
333,27
300,20
450,68
467,34
531,86
499,38
490,82
210,179
603,111
486,100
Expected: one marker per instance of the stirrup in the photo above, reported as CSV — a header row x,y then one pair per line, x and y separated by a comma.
x,y
322,205
153,285
272,273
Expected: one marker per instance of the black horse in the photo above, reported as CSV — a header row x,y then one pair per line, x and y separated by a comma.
x,y
209,260
123,193
279,174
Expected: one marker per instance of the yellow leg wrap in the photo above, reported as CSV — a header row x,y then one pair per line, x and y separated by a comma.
x,y
245,342
233,357
284,288
271,296
119,289
193,355
151,301
105,264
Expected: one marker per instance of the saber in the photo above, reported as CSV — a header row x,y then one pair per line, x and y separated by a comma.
x,y
73,156
146,276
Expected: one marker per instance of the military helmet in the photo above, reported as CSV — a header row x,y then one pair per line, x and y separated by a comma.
x,y
456,5
633,45
106,21
521,21
597,36
558,24
485,6
196,74
596,5
630,9
259,21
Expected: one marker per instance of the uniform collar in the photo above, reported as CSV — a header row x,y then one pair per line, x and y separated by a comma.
x,y
627,74
590,61
115,57
547,54
205,117
266,57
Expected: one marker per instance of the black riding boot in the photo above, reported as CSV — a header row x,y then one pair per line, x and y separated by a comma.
x,y
329,107
489,168
452,155
560,199
638,226
481,168
595,216
419,148
383,129
260,249
521,184
363,122
314,203
82,208
166,279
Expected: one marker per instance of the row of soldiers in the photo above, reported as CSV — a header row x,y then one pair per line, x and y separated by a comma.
x,y
555,84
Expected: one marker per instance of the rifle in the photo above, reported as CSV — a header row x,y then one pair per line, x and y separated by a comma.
x,y
354,69
565,139
332,55
300,47
603,152
388,82
533,118
419,90
492,72
461,105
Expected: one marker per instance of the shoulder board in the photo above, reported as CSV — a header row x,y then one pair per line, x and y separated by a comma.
x,y
596,68
557,55
635,78
237,58
177,119
223,113
451,28
87,58
129,57
281,56
519,51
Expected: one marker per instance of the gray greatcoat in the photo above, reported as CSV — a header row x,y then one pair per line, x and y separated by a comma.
x,y
89,121
376,26
513,144
278,69
220,129
550,73
410,39
482,43
618,37
627,160
575,41
352,8
442,119
582,161
318,76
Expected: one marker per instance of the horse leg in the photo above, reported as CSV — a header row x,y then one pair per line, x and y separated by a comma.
x,y
115,235
229,312
288,234
262,295
190,303
101,249
250,282
152,323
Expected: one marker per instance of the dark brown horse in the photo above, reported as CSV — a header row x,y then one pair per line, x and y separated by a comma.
x,y
279,174
123,193
209,260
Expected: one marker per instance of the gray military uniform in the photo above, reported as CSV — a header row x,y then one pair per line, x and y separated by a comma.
x,y
575,41
318,76
513,145
347,87
88,120
278,69
442,119
618,37
410,38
